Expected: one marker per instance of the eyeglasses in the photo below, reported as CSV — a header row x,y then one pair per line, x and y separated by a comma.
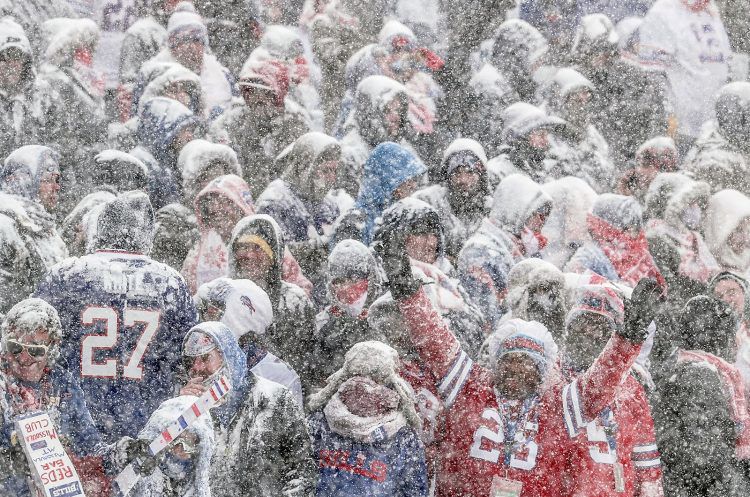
x,y
16,348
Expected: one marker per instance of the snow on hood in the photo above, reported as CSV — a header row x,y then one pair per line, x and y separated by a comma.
x,y
733,111
351,259
628,33
516,199
395,29
202,427
387,168
198,156
121,170
65,35
268,229
174,73
572,199
520,119
409,214
595,34
726,210
12,35
619,211
657,144
126,223
28,316
235,363
79,227
23,170
670,193
362,64
282,42
373,94
517,42
229,186
528,272
530,338
161,119
261,71
462,146
567,81
300,160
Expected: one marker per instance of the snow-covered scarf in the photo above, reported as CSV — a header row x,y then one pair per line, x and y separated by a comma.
x,y
367,429
696,260
734,389
629,255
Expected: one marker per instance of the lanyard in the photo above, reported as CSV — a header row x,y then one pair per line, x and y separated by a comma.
x,y
510,426
610,429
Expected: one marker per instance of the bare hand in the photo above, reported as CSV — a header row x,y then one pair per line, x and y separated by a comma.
x,y
194,387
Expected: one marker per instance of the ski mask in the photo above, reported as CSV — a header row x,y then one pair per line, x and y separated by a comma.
x,y
351,297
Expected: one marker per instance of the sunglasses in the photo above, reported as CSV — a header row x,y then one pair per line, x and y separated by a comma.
x,y
34,350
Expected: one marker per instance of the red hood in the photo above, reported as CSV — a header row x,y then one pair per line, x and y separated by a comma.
x,y
230,186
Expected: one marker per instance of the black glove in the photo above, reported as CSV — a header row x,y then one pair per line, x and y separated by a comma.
x,y
395,262
136,451
640,310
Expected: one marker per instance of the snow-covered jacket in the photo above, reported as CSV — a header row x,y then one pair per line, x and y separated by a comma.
x,y
20,110
29,241
720,156
458,223
579,148
366,127
142,41
726,210
388,167
613,252
199,156
565,228
160,121
75,120
159,483
669,195
290,335
484,262
261,419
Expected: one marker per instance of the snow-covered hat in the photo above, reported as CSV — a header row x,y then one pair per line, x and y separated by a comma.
x,y
601,300
28,316
247,308
529,338
185,25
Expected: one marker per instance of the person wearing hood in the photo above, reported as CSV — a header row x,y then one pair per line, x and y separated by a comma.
x,y
655,156
260,429
20,115
165,126
675,207
301,201
696,64
176,82
579,147
727,230
618,249
511,232
187,44
200,162
461,193
735,291
391,173
721,155
380,114
630,104
262,123
702,421
79,227
175,234
34,377
521,398
565,228
353,282
184,467
525,144
631,462
246,310
119,171
125,316
222,203
256,253
29,240
422,230
365,428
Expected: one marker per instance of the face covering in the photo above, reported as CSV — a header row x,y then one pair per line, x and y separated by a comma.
x,y
176,468
691,216
532,242
351,298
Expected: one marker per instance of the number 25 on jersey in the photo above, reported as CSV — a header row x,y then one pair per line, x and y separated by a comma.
x,y
131,368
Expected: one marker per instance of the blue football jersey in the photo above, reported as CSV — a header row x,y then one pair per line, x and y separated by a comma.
x,y
124,317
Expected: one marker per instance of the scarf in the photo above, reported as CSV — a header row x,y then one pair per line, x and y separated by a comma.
x,y
366,429
629,256
734,389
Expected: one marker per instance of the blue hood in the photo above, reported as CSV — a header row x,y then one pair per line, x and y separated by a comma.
x,y
24,168
236,364
387,168
160,121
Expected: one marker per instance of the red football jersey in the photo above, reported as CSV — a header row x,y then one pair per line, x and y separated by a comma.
x,y
473,449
